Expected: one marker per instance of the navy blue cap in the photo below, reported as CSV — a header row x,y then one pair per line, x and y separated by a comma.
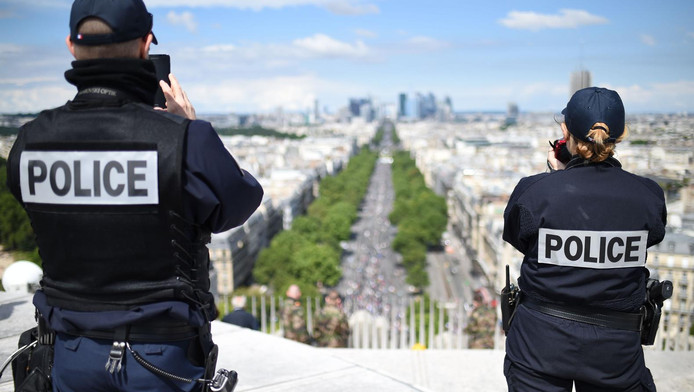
x,y
128,19
594,105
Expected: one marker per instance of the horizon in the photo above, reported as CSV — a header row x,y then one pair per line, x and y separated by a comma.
x,y
255,57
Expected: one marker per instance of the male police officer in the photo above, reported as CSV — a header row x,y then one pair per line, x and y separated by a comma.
x,y
122,199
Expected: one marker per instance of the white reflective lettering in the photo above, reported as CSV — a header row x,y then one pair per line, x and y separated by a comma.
x,y
89,177
592,249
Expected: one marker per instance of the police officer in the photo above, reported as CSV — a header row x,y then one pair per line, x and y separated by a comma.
x,y
584,231
123,199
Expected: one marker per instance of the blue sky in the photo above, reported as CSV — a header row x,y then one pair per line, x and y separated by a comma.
x,y
259,55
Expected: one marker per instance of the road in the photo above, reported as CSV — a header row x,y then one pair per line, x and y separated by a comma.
x,y
372,279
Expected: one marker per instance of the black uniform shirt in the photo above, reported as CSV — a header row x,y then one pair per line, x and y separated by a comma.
x,y
217,194
584,233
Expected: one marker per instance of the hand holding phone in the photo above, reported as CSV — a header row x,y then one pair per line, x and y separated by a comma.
x,y
170,96
162,68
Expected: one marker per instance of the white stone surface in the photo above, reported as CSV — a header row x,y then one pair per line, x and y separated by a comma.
x,y
268,363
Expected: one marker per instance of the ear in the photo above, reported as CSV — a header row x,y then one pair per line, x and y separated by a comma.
x,y
70,45
144,46
565,131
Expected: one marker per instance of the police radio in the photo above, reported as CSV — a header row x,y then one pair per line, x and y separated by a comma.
x,y
656,293
561,152
509,297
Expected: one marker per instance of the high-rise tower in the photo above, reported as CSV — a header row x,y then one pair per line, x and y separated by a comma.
x,y
579,79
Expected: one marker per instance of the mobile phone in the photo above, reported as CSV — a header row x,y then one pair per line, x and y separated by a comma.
x,y
162,67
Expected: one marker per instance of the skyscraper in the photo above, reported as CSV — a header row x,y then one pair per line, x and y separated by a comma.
x,y
579,79
402,105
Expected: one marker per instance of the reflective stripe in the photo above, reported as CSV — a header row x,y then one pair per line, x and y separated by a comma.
x,y
89,177
592,249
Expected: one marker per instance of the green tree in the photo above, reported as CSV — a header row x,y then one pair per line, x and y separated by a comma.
x,y
420,216
310,251
316,262
16,233
274,262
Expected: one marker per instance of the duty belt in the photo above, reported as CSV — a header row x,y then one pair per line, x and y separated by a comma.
x,y
144,332
602,317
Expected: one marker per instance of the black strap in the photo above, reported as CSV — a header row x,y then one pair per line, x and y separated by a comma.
x,y
156,370
602,317
142,333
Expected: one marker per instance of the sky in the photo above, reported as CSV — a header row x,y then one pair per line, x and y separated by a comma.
x,y
256,56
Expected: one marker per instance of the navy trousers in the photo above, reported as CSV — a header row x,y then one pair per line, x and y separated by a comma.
x,y
79,365
550,354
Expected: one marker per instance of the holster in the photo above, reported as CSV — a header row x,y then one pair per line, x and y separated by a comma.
x,y
31,370
509,302
509,298
651,321
210,366
656,293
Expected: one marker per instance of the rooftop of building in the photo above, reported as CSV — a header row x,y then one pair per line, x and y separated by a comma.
x,y
267,363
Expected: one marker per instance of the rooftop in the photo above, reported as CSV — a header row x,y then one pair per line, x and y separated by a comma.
x,y
267,363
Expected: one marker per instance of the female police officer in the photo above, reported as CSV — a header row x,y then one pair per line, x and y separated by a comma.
x,y
584,231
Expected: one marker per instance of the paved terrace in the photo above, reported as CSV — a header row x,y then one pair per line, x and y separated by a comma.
x,y
268,363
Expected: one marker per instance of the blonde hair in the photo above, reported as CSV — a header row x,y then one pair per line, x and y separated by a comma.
x,y
92,25
600,149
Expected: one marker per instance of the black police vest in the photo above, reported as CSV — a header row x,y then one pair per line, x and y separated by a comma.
x,y
584,232
103,187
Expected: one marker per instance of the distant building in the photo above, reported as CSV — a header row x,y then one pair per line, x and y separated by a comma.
x,y
512,114
580,79
448,102
426,106
673,260
356,105
402,105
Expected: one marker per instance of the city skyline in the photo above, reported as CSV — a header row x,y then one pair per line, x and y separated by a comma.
x,y
245,56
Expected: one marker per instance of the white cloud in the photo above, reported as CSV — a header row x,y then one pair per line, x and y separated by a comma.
x,y
241,4
566,18
20,82
270,56
265,94
542,88
18,100
40,3
185,19
365,33
671,96
648,40
5,14
342,7
221,48
7,49
690,34
426,43
351,8
321,45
